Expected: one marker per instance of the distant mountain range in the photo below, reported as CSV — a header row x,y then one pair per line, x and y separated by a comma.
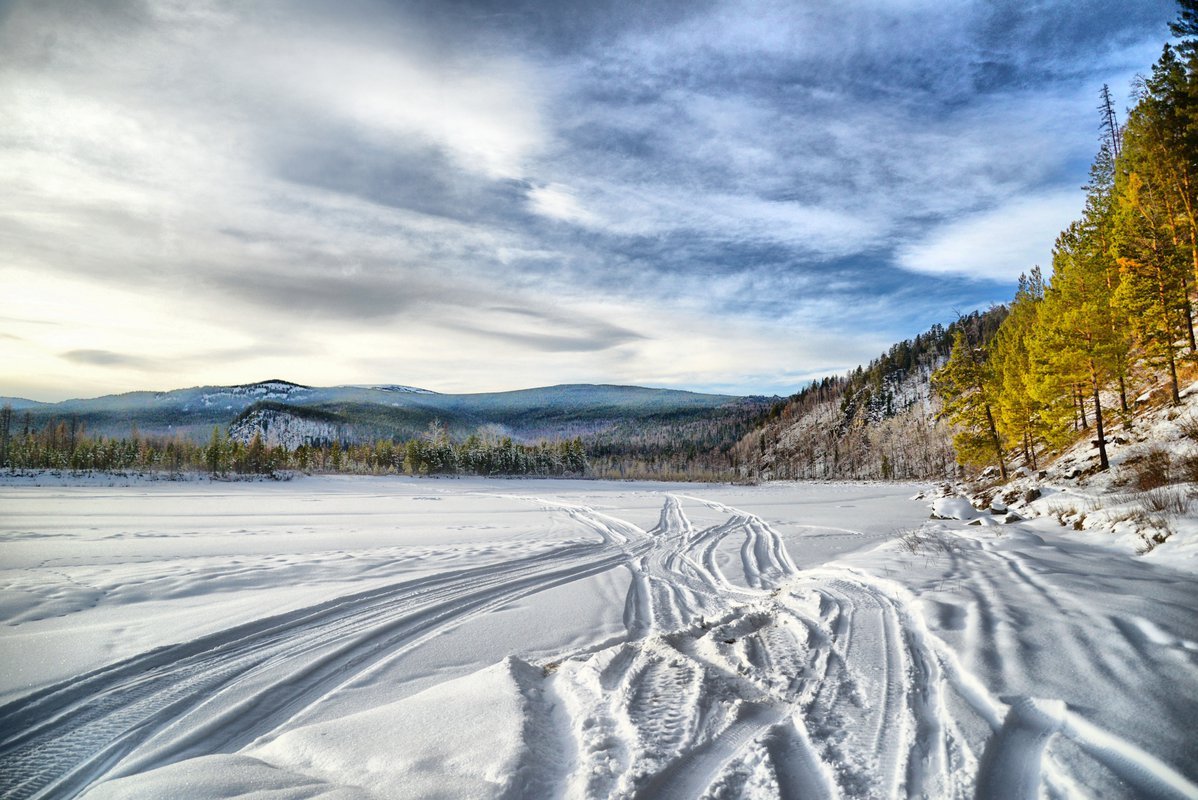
x,y
290,413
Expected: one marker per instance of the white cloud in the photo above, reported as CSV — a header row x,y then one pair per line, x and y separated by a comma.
x,y
999,243
558,202
484,114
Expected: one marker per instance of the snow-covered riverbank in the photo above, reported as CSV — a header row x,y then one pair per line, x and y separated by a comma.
x,y
383,637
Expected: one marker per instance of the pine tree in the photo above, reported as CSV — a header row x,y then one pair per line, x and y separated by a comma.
x,y
1161,148
1099,217
967,384
414,457
5,433
1017,411
214,453
255,456
1077,343
1151,292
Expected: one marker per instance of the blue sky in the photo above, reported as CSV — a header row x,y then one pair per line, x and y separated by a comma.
x,y
470,196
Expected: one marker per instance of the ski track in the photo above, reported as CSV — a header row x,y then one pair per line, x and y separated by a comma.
x,y
819,684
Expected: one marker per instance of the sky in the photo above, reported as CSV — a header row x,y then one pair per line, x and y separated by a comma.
x,y
476,195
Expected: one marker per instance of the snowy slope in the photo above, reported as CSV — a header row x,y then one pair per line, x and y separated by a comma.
x,y
396,638
1115,507
893,433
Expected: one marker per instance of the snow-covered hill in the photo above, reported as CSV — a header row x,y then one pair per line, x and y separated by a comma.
x,y
879,421
894,433
392,410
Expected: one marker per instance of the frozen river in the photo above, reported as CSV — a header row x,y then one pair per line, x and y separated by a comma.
x,y
384,637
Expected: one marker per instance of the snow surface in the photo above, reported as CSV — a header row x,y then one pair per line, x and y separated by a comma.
x,y
380,637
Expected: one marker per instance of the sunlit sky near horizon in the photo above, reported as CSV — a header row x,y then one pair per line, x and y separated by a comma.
x,y
478,195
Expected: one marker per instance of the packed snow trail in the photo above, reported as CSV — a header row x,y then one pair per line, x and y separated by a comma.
x,y
973,665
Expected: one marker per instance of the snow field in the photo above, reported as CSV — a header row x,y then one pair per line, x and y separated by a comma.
x,y
585,640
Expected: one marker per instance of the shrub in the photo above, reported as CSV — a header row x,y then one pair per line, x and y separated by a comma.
x,y
1151,470
1159,534
1136,516
1187,468
930,543
1165,500
1189,427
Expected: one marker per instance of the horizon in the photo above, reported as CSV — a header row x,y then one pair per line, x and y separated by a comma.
x,y
721,197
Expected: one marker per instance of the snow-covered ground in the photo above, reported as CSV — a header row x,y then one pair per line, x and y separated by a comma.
x,y
381,637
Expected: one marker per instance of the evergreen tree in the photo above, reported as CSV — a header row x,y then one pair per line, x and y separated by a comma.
x,y
1160,147
214,453
968,386
413,457
1099,220
5,433
1151,293
1078,345
255,456
1017,411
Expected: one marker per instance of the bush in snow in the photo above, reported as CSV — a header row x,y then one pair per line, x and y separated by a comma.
x,y
1151,470
1165,500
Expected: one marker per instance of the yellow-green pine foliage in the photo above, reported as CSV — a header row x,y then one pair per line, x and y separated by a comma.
x,y
1017,411
1161,141
1151,290
1054,375
968,385
1153,233
1080,344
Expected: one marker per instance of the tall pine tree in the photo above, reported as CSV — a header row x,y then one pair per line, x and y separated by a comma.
x,y
968,385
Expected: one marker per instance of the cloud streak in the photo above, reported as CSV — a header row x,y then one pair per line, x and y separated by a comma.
x,y
107,358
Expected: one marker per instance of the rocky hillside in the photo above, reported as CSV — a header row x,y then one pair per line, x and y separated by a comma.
x,y
880,421
279,425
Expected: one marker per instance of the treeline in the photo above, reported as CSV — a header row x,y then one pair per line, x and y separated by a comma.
x,y
64,445
1117,306
683,446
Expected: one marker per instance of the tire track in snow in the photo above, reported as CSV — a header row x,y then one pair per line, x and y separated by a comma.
x,y
858,707
689,775
1016,761
800,773
219,692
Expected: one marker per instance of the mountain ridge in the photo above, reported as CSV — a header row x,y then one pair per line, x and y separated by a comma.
x,y
395,411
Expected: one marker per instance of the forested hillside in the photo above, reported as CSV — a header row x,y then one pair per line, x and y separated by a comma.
x,y
880,421
627,431
1084,349
1073,355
